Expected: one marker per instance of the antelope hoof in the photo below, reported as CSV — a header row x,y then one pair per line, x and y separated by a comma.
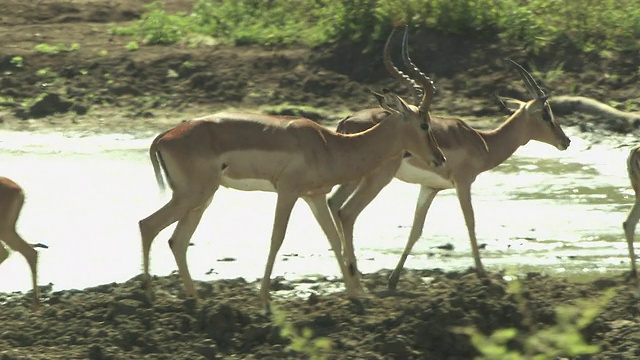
x,y
355,292
358,306
632,276
265,299
266,310
358,289
392,285
146,285
393,281
481,273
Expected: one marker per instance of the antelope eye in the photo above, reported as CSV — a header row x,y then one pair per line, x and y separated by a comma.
x,y
545,115
424,126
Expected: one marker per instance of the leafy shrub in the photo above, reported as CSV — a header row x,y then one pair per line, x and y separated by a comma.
x,y
315,348
159,27
264,22
56,48
590,25
558,341
132,46
17,61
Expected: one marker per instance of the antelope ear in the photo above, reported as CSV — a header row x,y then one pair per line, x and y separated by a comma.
x,y
510,104
393,102
381,101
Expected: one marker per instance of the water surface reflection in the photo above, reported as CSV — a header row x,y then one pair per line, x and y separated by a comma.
x,y
543,209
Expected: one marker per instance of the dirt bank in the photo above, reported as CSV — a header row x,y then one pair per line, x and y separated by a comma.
x,y
418,321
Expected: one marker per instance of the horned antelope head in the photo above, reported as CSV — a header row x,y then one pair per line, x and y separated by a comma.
x,y
538,111
422,89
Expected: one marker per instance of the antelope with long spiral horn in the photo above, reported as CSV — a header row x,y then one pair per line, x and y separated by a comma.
x,y
469,152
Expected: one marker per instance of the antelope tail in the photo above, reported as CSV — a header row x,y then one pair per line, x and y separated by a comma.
x,y
156,161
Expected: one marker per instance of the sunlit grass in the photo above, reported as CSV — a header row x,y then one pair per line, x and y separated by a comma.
x,y
595,26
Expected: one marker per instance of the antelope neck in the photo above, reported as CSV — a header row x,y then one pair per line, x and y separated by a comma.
x,y
503,141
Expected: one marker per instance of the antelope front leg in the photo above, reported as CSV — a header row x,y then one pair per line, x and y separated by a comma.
x,y
464,197
336,201
367,190
323,215
284,205
422,207
629,230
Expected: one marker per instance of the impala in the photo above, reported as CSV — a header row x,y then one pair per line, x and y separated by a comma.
x,y
633,168
469,152
291,156
11,201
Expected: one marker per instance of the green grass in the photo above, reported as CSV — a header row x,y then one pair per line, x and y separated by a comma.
x,y
302,341
56,48
561,340
132,46
587,25
46,72
17,61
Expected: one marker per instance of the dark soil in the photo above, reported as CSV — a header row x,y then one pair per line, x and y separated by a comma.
x,y
102,87
418,321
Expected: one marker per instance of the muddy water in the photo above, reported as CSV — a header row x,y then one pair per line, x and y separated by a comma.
x,y
543,209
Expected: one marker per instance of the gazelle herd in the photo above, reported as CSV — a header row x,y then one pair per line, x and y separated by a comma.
x,y
297,158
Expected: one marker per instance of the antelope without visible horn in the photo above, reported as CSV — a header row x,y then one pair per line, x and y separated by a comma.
x,y
629,225
11,201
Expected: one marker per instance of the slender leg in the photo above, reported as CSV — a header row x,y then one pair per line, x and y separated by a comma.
x,y
341,195
368,189
284,206
12,239
151,226
16,243
179,244
338,198
464,197
4,254
322,214
422,207
629,230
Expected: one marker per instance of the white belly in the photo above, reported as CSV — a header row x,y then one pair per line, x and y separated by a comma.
x,y
250,170
247,184
417,175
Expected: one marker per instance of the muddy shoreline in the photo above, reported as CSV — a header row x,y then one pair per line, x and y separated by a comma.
x,y
418,321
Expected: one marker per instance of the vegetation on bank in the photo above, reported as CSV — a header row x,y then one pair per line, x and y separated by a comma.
x,y
587,25
563,339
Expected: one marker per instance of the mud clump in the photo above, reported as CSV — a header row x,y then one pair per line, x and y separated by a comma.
x,y
417,321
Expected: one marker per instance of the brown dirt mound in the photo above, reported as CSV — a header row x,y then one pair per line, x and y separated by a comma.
x,y
118,321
